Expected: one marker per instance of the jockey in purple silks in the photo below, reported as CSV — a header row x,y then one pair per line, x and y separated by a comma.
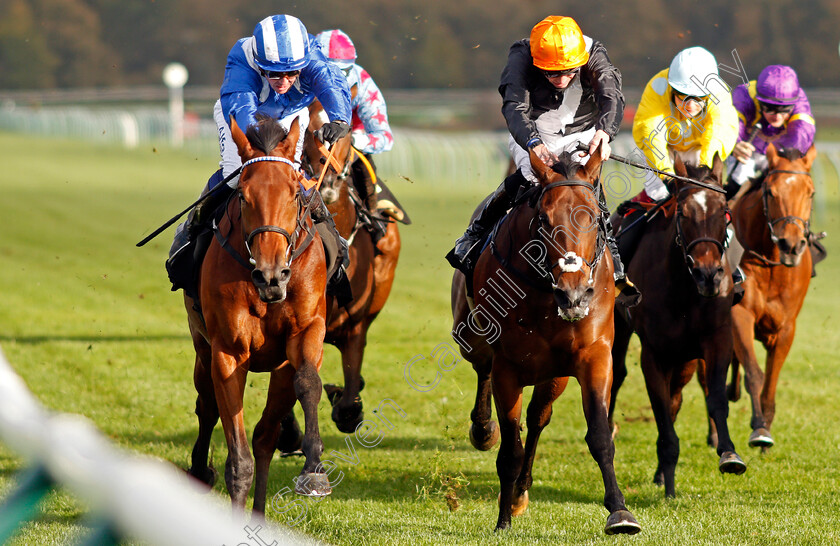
x,y
771,110
780,106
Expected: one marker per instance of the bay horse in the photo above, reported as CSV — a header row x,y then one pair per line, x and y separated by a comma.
x,y
773,226
684,319
371,269
556,323
261,308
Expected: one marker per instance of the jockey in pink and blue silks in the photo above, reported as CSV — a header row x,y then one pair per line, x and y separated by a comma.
x,y
780,106
278,71
370,129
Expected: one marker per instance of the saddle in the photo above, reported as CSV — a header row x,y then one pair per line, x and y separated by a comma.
x,y
184,266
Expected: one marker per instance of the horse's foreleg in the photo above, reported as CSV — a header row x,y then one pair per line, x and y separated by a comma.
x,y
776,355
717,354
208,415
347,409
594,373
306,352
538,417
743,326
279,404
508,396
229,377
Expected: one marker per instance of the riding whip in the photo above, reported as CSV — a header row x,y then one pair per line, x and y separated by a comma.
x,y
584,148
746,185
175,218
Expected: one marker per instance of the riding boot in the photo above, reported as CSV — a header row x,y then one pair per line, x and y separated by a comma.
x,y
467,249
817,250
187,231
626,292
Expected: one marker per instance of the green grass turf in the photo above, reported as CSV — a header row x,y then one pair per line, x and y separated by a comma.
x,y
89,322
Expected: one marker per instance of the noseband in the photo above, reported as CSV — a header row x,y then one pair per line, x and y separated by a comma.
x,y
784,220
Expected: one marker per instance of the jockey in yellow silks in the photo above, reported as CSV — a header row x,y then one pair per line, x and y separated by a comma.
x,y
686,110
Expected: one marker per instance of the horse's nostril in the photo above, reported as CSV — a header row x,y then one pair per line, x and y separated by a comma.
x,y
258,277
284,275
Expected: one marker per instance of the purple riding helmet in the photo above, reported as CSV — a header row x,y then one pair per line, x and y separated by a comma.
x,y
777,84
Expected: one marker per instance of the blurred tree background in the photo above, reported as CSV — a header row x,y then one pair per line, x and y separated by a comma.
x,y
405,44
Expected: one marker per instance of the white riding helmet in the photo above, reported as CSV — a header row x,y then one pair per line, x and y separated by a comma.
x,y
690,71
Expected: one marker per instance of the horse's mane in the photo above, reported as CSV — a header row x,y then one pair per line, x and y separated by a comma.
x,y
567,166
266,134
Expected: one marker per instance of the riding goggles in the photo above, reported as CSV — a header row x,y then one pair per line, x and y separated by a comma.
x,y
550,74
271,75
699,101
775,108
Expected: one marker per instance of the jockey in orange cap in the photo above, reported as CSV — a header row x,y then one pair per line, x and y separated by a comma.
x,y
559,90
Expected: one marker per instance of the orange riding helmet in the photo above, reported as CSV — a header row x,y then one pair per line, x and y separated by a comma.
x,y
557,44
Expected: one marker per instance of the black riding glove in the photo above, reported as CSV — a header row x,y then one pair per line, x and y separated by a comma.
x,y
731,189
333,131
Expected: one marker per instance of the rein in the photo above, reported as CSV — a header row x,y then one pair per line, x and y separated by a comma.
x,y
291,238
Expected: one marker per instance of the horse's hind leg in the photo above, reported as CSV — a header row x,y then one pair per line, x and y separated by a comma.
x,y
279,403
668,443
594,374
347,407
538,417
623,332
484,433
712,436
208,415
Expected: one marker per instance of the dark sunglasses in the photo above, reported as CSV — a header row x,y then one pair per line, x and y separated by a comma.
x,y
775,108
559,73
271,75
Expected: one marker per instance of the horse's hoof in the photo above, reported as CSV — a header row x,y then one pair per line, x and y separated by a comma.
x,y
206,476
347,419
622,522
760,437
659,478
731,463
487,437
519,504
333,392
311,484
712,440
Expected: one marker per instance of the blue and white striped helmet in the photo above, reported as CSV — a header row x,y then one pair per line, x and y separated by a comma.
x,y
281,44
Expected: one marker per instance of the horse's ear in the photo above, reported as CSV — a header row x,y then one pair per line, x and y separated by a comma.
x,y
242,144
679,166
772,155
291,138
593,166
540,169
717,168
809,157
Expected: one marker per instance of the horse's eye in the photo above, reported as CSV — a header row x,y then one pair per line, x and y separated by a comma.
x,y
544,218
323,160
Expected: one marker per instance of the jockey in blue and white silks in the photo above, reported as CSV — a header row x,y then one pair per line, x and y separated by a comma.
x,y
278,71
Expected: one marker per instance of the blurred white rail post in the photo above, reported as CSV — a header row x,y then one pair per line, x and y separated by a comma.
x,y
137,497
175,75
